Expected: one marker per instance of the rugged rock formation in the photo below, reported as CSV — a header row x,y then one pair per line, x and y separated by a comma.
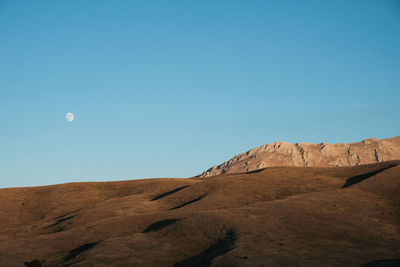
x,y
311,155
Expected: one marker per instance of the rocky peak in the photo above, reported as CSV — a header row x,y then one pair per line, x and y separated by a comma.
x,y
370,150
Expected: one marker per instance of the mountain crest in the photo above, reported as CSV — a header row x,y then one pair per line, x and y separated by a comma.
x,y
281,153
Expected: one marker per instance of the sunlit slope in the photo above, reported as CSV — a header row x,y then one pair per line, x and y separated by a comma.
x,y
368,151
292,216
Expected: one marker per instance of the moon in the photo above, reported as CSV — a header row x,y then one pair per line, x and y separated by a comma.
x,y
69,116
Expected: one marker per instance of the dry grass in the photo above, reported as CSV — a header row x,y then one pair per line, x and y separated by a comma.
x,y
280,216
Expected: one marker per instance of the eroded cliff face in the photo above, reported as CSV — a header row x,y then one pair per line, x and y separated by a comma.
x,y
312,155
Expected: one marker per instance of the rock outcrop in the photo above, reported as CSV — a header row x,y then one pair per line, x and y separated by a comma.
x,y
311,155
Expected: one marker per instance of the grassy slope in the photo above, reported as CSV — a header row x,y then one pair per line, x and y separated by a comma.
x,y
277,216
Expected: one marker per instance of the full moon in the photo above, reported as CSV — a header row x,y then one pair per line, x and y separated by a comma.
x,y
69,116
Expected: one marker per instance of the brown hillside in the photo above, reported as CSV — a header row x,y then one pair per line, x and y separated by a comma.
x,y
280,216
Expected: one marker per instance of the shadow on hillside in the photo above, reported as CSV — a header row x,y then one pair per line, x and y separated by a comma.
x,y
189,202
205,258
359,178
157,226
170,192
79,250
383,263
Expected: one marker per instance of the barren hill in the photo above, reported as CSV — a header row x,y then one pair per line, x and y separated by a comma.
x,y
311,155
279,216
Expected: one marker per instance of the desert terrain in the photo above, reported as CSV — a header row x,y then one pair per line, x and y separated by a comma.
x,y
278,216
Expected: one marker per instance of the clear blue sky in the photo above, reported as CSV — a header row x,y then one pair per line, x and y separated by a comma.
x,y
171,88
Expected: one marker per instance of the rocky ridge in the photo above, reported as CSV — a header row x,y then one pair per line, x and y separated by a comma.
x,y
368,151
